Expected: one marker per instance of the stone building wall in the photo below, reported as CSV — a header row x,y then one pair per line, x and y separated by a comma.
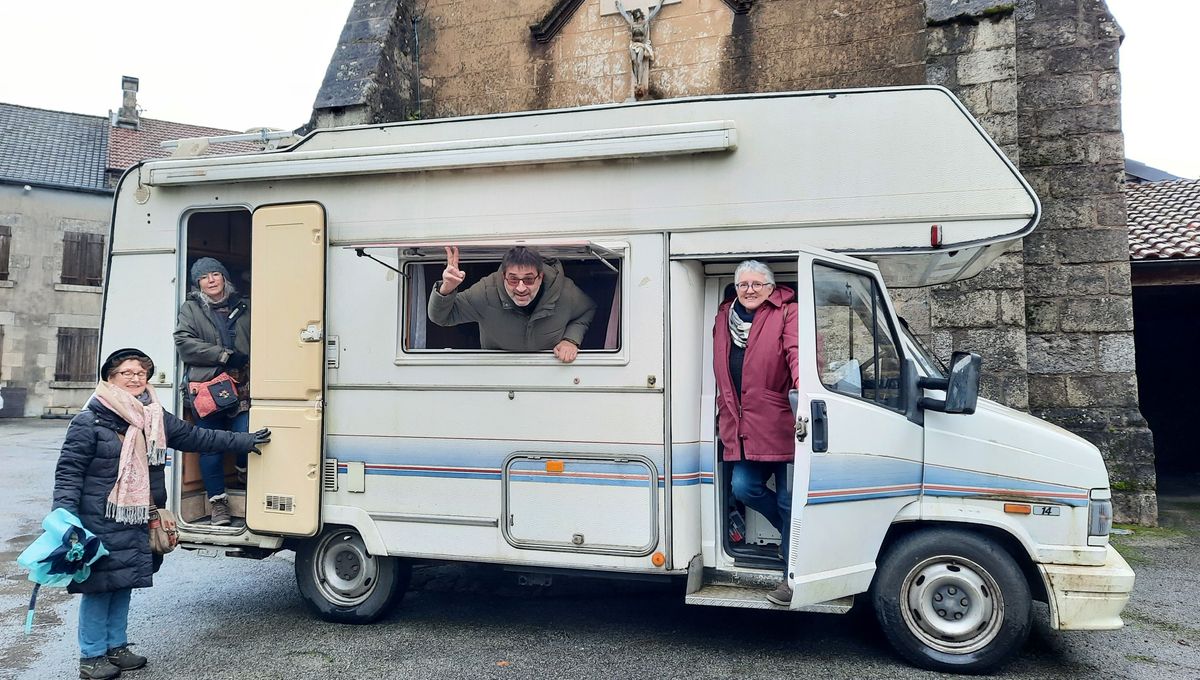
x,y
37,303
1077,288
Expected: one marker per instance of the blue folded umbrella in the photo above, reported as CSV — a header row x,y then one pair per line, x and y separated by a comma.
x,y
63,553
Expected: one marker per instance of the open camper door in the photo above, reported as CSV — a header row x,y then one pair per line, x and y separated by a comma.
x,y
287,329
858,456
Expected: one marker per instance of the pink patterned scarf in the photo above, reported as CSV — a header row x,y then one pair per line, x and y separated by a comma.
x,y
144,444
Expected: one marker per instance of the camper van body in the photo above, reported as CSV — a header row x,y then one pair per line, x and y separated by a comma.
x,y
389,447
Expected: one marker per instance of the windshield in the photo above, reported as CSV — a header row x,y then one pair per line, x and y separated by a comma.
x,y
930,365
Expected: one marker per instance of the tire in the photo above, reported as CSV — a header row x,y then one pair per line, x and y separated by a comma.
x,y
951,600
343,583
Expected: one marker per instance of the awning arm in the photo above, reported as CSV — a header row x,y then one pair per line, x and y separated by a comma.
x,y
361,253
594,250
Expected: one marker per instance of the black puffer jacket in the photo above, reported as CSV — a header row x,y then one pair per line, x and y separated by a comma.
x,y
86,472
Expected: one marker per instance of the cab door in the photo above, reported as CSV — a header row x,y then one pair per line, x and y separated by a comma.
x,y
287,327
858,456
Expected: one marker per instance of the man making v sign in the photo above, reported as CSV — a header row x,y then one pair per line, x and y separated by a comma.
x,y
528,305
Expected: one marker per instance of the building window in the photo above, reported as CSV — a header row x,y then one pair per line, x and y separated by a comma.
x,y
77,350
83,258
5,248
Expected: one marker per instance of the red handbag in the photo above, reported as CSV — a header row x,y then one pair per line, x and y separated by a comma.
x,y
214,396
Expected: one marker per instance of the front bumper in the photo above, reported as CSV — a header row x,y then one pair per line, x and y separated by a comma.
x,y
1088,598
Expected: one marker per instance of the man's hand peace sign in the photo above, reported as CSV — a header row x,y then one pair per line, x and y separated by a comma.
x,y
452,276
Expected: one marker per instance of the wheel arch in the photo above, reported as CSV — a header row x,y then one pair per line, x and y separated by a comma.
x,y
1010,543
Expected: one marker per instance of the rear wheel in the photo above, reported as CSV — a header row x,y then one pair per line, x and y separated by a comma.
x,y
344,583
953,601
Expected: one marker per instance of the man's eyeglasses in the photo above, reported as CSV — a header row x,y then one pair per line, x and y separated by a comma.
x,y
130,375
527,280
755,286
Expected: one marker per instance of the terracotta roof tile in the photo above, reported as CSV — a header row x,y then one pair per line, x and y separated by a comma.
x,y
127,146
1164,219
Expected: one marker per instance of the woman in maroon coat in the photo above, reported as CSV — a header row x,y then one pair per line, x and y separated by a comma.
x,y
756,363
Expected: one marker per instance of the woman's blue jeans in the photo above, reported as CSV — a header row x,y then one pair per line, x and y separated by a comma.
x,y
103,620
212,463
750,487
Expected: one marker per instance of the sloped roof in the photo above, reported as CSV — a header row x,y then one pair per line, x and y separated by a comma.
x,y
52,148
128,146
1164,219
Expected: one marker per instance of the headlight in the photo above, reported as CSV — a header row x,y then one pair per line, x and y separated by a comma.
x,y
1100,517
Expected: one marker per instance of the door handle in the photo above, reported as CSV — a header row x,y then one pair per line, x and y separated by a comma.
x,y
820,421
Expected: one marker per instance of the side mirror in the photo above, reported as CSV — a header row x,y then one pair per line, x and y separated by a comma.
x,y
962,387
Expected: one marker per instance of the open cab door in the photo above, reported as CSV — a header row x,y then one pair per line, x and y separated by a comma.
x,y
858,453
287,349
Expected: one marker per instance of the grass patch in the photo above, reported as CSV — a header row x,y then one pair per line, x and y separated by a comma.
x,y
1141,658
1132,554
1146,532
1171,627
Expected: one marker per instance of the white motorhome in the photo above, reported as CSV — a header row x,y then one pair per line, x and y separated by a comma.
x,y
396,440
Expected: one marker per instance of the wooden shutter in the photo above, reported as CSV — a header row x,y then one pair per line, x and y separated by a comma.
x,y
93,259
5,248
66,350
76,360
72,269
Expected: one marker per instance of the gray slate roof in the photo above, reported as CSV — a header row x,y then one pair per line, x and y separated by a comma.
x,y
52,148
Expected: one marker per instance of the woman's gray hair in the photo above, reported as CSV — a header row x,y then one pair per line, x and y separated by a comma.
x,y
753,266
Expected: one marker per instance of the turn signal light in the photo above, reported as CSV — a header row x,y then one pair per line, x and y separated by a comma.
x,y
1018,508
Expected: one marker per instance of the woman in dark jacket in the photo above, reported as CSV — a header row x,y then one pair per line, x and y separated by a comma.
x,y
213,337
756,363
110,475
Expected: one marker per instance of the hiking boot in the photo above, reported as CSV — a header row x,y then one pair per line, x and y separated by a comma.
x,y
123,658
781,596
220,511
97,668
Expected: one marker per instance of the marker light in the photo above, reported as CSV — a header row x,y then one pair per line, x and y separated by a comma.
x,y
658,559
554,466
1018,508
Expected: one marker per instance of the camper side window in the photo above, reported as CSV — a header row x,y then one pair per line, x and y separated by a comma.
x,y
860,356
596,278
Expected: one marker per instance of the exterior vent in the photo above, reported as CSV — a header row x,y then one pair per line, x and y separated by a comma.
x,y
332,353
329,475
278,503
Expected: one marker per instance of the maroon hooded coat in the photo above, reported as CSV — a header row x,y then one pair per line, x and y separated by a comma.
x,y
762,418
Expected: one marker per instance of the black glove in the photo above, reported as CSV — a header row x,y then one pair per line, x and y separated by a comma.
x,y
237,360
263,436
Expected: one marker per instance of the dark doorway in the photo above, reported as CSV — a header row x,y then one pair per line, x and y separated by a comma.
x,y
1167,336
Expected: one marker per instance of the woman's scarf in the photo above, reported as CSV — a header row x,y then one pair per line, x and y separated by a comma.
x,y
145,444
739,328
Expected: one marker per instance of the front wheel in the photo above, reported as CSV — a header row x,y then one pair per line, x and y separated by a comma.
x,y
951,600
344,583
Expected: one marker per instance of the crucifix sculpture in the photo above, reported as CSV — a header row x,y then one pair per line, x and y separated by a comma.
x,y
641,52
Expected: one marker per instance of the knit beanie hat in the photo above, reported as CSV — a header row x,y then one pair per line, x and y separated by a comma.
x,y
207,265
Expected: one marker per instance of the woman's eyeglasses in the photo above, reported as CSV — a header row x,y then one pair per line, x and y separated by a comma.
x,y
755,286
130,375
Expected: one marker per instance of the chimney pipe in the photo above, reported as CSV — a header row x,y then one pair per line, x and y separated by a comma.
x,y
127,117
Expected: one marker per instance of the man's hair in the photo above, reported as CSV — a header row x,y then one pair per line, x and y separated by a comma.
x,y
753,266
521,256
